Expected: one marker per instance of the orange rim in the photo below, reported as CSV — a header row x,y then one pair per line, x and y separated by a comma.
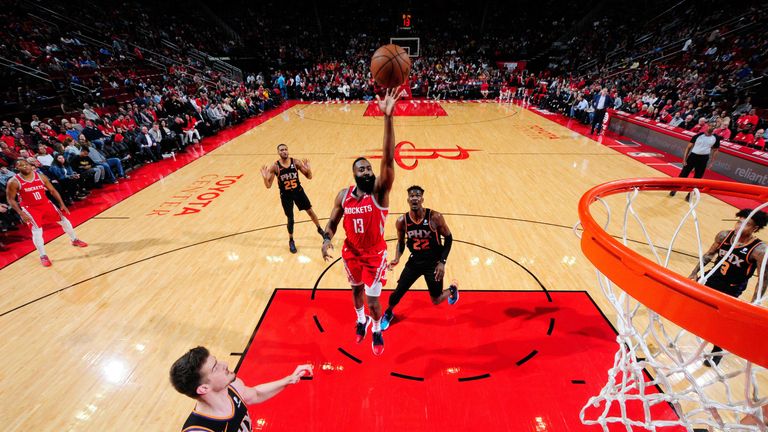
x,y
716,317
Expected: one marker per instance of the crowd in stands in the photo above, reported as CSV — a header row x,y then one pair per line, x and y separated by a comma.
x,y
126,85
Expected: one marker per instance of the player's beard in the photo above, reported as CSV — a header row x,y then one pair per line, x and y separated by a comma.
x,y
365,183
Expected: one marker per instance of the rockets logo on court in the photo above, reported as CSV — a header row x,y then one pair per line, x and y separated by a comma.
x,y
407,156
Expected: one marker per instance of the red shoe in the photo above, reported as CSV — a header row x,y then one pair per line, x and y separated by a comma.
x,y
79,243
377,344
361,329
45,261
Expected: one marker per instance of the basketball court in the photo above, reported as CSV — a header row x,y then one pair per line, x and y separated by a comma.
x,y
200,257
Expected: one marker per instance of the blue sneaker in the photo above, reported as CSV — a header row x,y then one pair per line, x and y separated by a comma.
x,y
454,289
386,320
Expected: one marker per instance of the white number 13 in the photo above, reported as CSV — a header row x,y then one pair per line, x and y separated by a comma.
x,y
358,224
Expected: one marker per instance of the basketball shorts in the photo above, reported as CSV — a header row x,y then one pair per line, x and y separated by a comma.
x,y
413,270
42,214
733,290
299,197
368,268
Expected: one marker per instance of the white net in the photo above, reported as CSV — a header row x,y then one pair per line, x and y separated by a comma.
x,y
663,377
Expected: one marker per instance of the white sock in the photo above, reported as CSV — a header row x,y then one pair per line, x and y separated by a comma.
x,y
360,314
64,222
37,239
377,326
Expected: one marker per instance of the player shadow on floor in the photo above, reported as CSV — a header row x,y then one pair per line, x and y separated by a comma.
x,y
502,355
474,313
528,314
103,249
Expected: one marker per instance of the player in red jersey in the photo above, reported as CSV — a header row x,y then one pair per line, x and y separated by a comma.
x,y
364,208
26,194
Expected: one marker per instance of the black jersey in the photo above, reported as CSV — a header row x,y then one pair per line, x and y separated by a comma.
x,y
421,239
239,421
737,268
288,178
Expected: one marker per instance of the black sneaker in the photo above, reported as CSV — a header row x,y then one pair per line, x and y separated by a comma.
x,y
292,246
378,343
361,329
688,197
672,193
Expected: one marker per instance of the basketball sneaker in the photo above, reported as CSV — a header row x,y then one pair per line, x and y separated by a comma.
x,y
378,343
45,261
79,243
387,319
361,329
454,289
292,246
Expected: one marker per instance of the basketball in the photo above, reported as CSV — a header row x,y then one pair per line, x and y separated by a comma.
x,y
390,66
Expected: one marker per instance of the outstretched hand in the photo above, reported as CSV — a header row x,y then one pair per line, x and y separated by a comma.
x,y
265,171
300,371
387,105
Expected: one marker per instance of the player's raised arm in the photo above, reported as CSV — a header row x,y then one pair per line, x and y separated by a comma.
x,y
387,173
262,392
304,167
268,174
333,223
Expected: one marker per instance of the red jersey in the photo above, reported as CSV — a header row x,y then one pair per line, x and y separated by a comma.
x,y
31,193
363,222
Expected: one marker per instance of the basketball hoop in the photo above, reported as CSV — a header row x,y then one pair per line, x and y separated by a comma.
x,y
666,321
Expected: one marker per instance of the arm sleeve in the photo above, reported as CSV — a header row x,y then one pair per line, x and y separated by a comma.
x,y
446,247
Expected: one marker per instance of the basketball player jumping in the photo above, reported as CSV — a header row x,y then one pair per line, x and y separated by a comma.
x,y
421,229
364,209
221,396
287,169
26,192
732,276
